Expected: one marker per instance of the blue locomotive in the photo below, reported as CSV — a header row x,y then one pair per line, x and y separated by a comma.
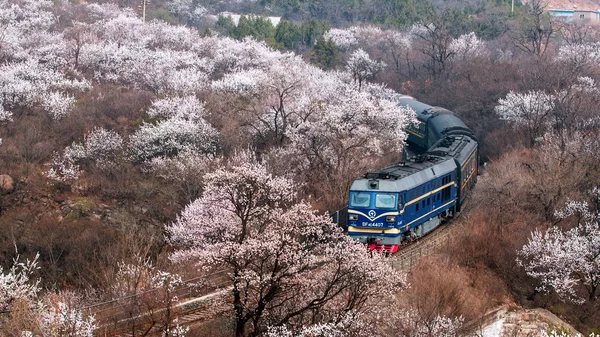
x,y
412,197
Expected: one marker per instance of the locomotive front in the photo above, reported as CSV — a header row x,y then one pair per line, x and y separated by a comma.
x,y
375,211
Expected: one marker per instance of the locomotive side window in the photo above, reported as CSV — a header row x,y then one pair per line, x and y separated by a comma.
x,y
360,199
385,200
417,206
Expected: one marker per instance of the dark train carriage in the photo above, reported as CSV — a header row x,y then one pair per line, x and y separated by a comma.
x,y
434,124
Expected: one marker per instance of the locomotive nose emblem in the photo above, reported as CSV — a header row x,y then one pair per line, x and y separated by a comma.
x,y
372,214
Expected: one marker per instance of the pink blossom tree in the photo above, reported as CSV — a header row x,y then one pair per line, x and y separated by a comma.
x,y
567,262
344,137
287,266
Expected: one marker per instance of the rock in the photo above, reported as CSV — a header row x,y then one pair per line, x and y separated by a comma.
x,y
7,184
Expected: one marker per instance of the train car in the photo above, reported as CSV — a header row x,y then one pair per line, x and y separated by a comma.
x,y
402,201
434,124
411,198
464,150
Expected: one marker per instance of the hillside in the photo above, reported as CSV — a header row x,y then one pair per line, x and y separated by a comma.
x,y
145,162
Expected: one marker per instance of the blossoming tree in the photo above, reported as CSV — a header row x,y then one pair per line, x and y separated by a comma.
x,y
287,265
567,262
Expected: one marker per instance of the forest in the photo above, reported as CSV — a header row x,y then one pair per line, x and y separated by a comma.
x,y
147,144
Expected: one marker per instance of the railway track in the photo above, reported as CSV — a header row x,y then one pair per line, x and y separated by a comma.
x,y
122,316
407,255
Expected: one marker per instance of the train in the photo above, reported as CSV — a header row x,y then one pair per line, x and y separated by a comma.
x,y
412,197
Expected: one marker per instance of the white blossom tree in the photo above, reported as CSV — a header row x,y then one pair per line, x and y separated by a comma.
x,y
349,325
580,55
389,43
440,326
181,128
188,10
27,83
362,67
155,56
567,262
62,316
342,38
278,97
16,283
531,110
170,137
52,315
99,147
25,32
467,46
281,273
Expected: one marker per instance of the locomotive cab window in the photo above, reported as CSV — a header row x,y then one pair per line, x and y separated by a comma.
x,y
360,199
385,200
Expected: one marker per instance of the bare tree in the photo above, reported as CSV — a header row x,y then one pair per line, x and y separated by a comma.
x,y
435,42
534,32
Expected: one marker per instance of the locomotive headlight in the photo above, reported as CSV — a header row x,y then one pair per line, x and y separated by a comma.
x,y
352,217
390,218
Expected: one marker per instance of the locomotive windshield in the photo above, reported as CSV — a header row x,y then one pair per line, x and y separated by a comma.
x,y
360,199
385,200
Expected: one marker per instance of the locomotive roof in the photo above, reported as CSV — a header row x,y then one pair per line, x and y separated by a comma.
x,y
405,175
447,121
423,111
459,147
